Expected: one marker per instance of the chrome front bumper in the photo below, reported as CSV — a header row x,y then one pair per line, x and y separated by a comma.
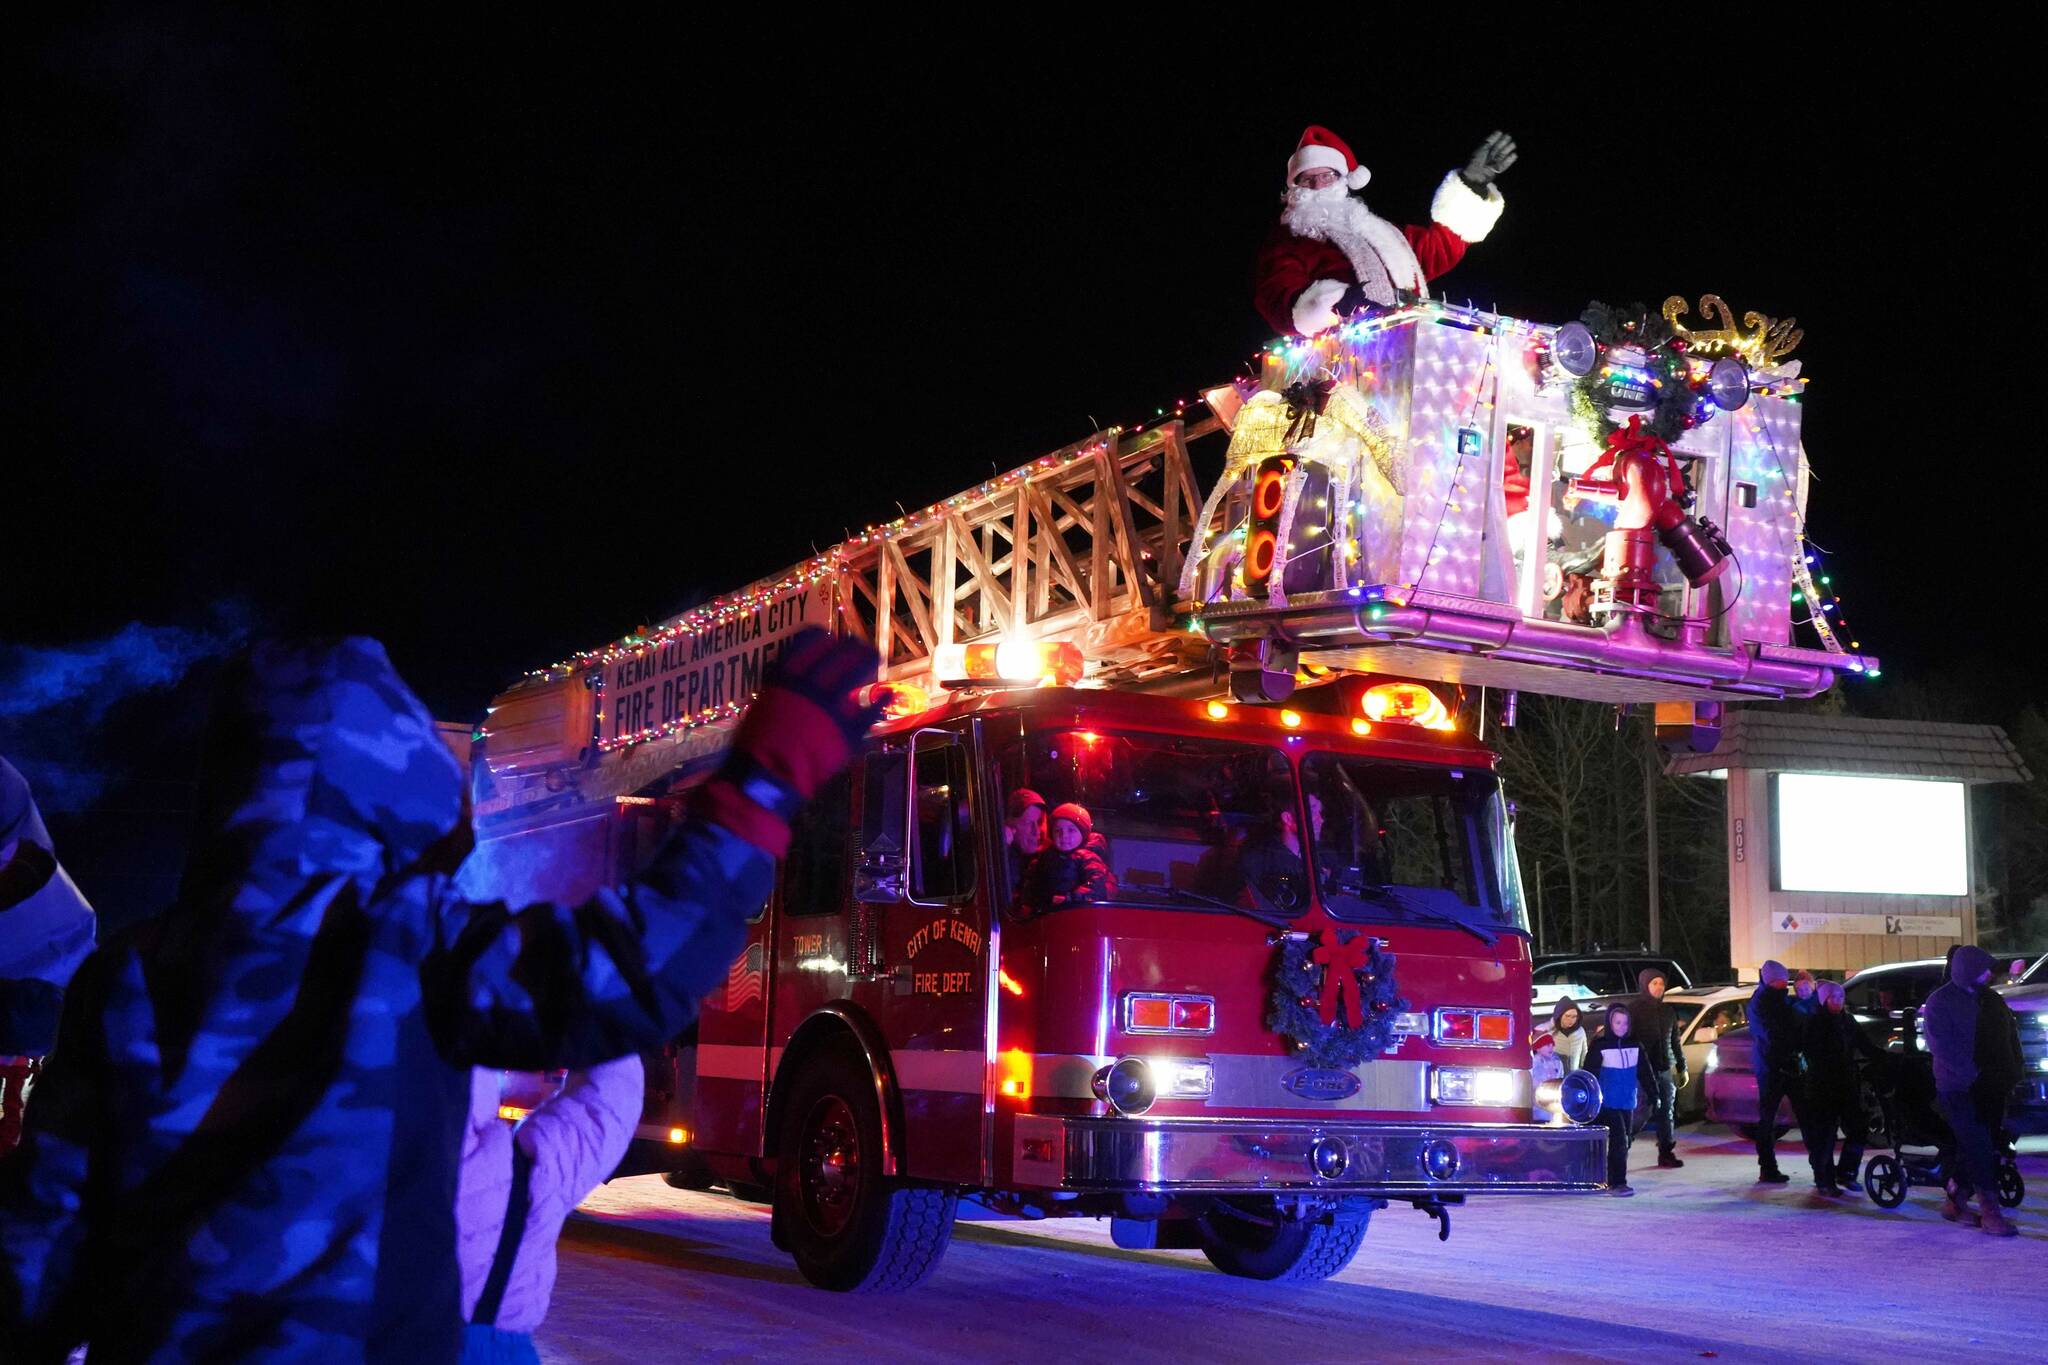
x,y
1249,1155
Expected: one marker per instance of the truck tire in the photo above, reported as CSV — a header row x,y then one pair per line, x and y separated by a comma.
x,y
850,1228
1250,1238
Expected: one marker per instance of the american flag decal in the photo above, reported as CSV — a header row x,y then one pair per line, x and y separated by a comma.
x,y
743,982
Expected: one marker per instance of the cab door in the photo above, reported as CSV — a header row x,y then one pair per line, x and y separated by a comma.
x,y
921,943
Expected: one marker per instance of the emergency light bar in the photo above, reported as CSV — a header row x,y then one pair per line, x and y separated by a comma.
x,y
897,699
1040,663
1406,703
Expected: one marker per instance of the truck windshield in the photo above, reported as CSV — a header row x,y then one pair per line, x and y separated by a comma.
x,y
1399,842
1170,819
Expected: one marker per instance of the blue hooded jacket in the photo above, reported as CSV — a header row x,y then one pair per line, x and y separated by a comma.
x,y
46,927
247,1144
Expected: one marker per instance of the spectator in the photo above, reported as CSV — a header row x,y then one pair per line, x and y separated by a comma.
x,y
1622,1065
1656,1026
1023,830
1973,1071
46,931
1804,998
1570,1034
1832,1042
515,1188
1774,1035
1070,872
248,1141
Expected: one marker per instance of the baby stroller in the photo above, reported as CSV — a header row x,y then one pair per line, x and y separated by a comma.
x,y
1922,1146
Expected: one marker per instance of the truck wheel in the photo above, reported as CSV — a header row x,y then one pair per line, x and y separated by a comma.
x,y
1250,1238
2012,1190
849,1227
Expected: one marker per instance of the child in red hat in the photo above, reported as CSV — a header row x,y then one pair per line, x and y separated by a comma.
x,y
1071,871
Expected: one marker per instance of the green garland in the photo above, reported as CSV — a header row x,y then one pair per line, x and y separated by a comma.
x,y
1649,332
1293,1007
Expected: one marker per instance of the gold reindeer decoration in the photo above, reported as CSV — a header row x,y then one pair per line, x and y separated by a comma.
x,y
1762,341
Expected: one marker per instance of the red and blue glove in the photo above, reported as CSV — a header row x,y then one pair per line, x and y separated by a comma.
x,y
801,728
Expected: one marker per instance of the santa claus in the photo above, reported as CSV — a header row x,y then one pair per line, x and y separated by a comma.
x,y
1329,255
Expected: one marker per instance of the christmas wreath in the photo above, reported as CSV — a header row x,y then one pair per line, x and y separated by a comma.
x,y
1335,999
1676,401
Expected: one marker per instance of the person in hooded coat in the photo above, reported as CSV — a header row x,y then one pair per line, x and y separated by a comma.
x,y
46,931
1831,1044
1975,1069
246,1146
1656,1028
1567,1027
1775,1028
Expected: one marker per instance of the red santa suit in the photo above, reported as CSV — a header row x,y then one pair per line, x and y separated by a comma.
x,y
1328,241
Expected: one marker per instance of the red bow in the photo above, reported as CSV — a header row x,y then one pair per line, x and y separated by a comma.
x,y
1623,441
1341,963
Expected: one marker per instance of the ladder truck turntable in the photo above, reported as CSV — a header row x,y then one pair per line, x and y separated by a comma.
x,y
1209,677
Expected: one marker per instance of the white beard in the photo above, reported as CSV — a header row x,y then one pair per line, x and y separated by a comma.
x,y
1379,254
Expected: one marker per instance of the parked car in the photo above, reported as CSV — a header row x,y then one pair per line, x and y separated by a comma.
x,y
1591,976
1887,998
2027,1109
1730,1083
2035,972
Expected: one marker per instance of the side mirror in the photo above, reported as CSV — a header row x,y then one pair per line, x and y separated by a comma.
x,y
879,865
879,878
1705,1034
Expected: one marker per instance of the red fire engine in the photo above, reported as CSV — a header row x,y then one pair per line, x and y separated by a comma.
x,y
1301,993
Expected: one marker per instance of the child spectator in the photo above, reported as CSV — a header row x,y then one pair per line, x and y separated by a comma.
x,y
1569,1034
516,1187
1804,998
1624,1071
1070,872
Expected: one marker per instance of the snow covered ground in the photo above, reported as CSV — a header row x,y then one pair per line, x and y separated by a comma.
x,y
1702,1263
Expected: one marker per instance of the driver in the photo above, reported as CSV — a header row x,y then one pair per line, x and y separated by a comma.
x,y
1273,861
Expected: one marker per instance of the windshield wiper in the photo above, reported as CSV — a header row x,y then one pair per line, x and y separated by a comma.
x,y
1388,896
1279,919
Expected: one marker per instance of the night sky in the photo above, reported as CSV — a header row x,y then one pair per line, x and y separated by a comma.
x,y
496,345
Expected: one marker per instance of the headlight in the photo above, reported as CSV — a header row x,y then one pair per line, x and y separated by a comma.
x,y
1713,1059
1179,1079
1489,1085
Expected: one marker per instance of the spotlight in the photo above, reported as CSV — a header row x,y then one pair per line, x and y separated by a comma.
x,y
1728,383
1575,349
1699,548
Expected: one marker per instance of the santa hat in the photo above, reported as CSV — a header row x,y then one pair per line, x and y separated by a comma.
x,y
1321,148
1075,815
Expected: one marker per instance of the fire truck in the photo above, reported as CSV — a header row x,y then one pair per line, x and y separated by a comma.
x,y
1302,995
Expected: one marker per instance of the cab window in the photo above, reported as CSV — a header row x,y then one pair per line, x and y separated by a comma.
x,y
942,833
